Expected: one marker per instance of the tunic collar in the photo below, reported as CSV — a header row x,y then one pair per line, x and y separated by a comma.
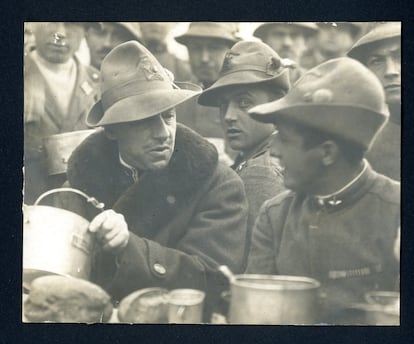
x,y
133,172
349,193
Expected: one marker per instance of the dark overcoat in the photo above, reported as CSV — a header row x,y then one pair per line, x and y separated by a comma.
x,y
184,221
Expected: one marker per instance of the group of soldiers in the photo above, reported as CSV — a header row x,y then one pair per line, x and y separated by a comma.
x,y
279,155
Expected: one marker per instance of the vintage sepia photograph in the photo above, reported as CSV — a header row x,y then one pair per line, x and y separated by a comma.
x,y
212,173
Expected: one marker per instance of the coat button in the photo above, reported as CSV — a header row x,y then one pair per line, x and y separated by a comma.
x,y
159,268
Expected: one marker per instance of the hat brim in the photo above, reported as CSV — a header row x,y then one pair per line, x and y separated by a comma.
x,y
211,96
140,106
185,38
349,122
360,51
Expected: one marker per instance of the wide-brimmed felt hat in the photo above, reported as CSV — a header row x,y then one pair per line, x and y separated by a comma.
x,y
381,33
340,96
248,63
308,29
219,30
355,28
132,27
135,86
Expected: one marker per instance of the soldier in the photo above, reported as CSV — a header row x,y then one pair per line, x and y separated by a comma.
x,y
252,74
102,37
289,40
207,44
380,51
174,213
333,40
340,221
58,91
154,37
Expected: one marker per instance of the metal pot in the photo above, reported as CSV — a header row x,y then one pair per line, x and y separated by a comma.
x,y
273,299
59,148
381,308
56,241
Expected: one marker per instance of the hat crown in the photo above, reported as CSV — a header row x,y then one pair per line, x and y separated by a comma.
x,y
217,30
342,81
381,32
131,62
206,27
245,56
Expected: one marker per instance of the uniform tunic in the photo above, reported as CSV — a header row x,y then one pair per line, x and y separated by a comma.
x,y
345,242
262,180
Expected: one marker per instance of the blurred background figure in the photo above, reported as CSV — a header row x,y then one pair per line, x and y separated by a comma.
x,y
207,44
29,42
288,39
58,92
333,40
102,37
380,51
154,37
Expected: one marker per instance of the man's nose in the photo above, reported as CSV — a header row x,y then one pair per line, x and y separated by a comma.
x,y
230,113
108,41
159,128
391,68
275,146
287,40
60,30
205,55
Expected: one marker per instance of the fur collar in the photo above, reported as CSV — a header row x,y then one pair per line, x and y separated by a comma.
x,y
152,202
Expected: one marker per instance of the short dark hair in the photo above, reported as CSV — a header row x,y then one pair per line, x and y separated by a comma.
x,y
352,152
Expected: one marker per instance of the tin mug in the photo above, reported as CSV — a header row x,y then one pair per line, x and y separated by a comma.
x,y
185,306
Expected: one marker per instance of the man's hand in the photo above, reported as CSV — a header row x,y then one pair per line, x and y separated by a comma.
x,y
111,230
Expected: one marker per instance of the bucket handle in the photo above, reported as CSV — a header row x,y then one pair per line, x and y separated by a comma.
x,y
91,200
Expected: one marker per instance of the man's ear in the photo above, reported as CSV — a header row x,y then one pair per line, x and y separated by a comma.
x,y
330,152
110,133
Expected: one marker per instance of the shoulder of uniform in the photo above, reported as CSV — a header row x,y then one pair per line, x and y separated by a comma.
x,y
280,199
387,189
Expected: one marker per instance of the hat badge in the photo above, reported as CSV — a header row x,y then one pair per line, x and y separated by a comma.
x,y
273,66
322,96
228,63
150,70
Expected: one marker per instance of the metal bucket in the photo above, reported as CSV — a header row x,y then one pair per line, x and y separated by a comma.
x,y
273,299
56,241
59,148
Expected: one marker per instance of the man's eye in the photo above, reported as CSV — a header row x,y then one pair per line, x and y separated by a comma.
x,y
375,61
244,103
169,115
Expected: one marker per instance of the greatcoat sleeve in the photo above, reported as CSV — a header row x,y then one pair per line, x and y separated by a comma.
x,y
215,235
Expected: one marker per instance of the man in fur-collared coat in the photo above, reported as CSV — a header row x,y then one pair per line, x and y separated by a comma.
x,y
174,212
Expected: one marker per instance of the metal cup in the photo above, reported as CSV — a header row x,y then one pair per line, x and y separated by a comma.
x,y
185,306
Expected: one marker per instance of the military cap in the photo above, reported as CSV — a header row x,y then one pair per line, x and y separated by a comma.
x,y
135,86
341,97
354,28
308,29
381,33
220,30
248,63
131,27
